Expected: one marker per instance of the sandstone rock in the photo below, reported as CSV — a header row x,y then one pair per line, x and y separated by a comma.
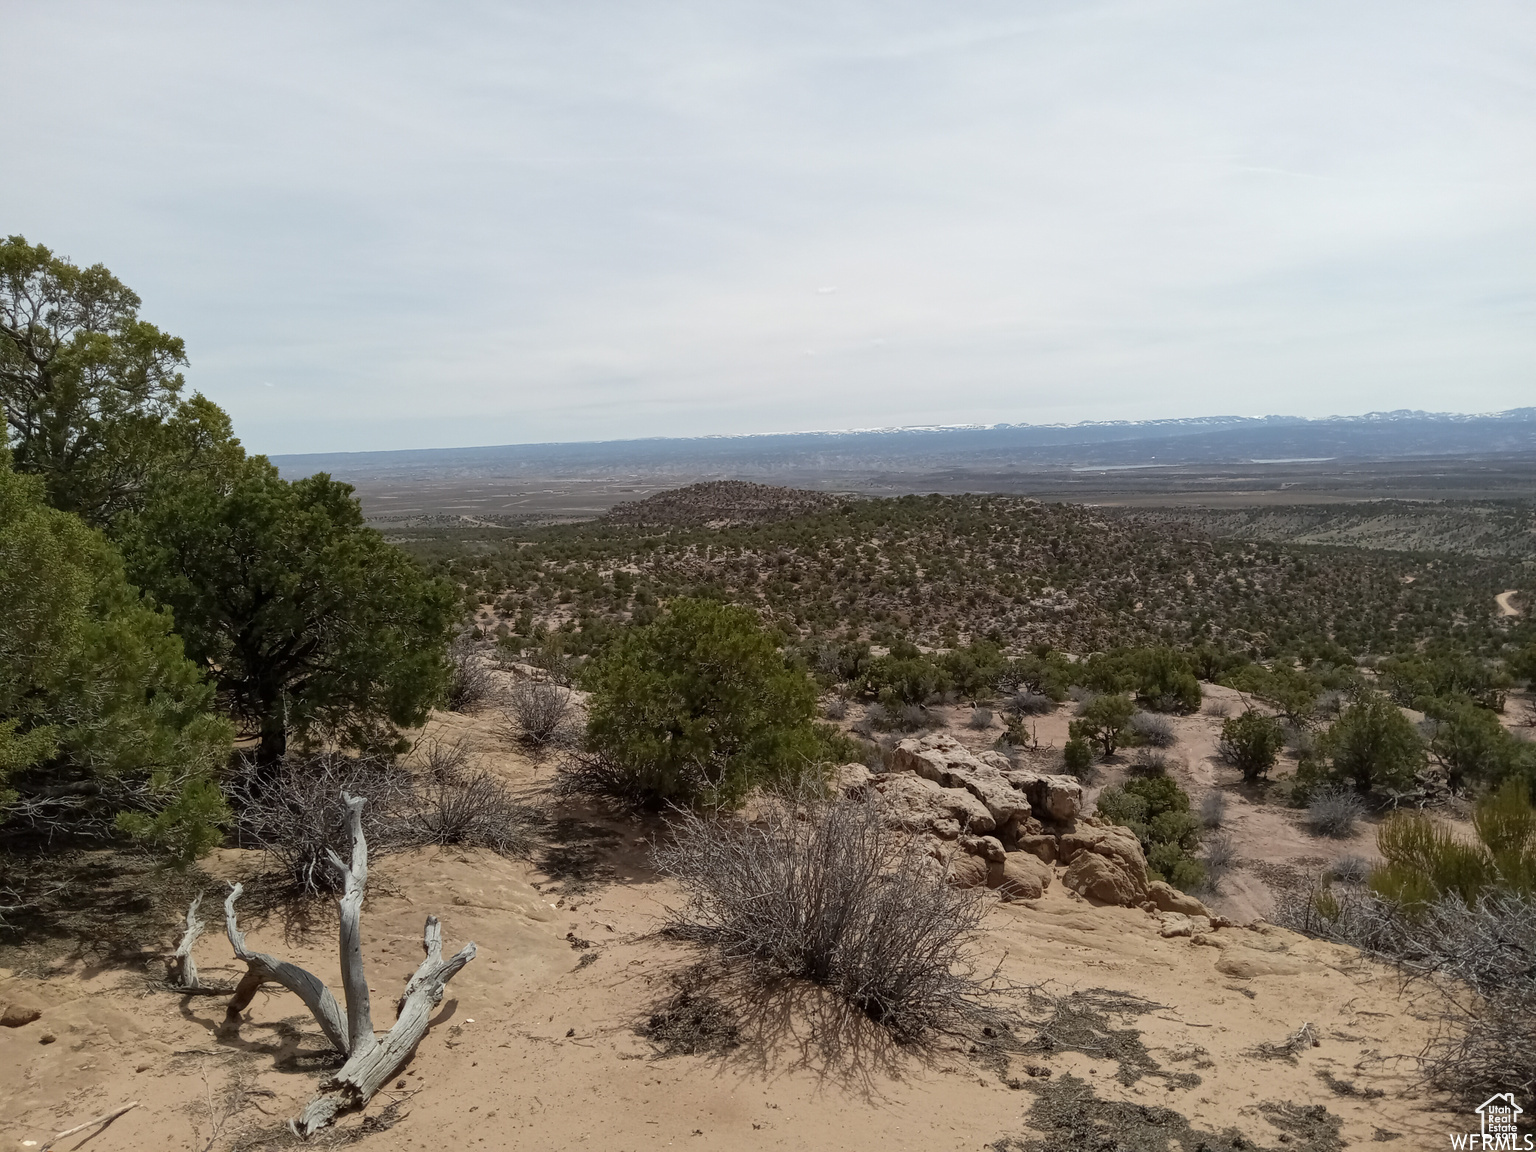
x,y
1040,846
851,779
1167,898
1022,877
1113,843
967,871
1211,940
989,848
920,805
1059,798
944,760
1245,965
19,1012
1103,878
996,760
1171,924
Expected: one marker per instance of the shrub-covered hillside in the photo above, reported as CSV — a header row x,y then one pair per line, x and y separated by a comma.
x,y
943,570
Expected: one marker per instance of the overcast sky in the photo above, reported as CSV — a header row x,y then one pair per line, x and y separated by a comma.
x,y
387,226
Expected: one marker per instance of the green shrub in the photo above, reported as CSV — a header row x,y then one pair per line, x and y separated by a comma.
x,y
1078,756
1373,745
1412,680
1472,746
1103,721
102,718
1162,679
1157,810
1251,743
1293,692
699,707
1426,860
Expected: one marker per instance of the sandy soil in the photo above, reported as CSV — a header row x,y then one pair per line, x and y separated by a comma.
x,y
536,1045
1506,603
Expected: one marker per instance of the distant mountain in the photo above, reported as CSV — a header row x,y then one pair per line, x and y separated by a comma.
x,y
983,449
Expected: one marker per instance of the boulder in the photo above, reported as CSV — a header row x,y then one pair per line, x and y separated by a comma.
x,y
1167,898
1022,877
1058,798
1039,845
989,848
920,805
1103,878
851,779
1111,842
18,1012
944,760
967,871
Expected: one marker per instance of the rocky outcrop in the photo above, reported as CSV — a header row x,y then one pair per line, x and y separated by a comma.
x,y
1104,862
1101,878
1021,877
920,805
1055,798
945,761
1166,898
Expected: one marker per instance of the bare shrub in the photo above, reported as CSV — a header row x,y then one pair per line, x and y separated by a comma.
x,y
470,683
1153,730
1149,762
829,892
1029,704
1334,811
1220,858
877,718
1300,741
293,813
1082,696
836,708
458,805
1216,706
1351,869
914,716
1213,809
980,719
537,712
1480,956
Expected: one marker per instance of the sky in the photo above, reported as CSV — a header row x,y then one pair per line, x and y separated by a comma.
x,y
385,225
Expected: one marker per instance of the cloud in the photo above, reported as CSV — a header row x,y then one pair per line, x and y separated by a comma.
x,y
521,222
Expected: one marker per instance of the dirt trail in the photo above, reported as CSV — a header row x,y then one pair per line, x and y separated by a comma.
x,y
1506,602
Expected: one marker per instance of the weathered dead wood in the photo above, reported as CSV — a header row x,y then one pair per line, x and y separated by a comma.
x,y
264,969
373,1063
370,1060
104,1118
181,969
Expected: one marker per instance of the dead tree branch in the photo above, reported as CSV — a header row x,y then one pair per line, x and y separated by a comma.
x,y
371,1060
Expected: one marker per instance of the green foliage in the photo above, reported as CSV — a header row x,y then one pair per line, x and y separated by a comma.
x,y
1292,692
1046,674
1373,745
1468,741
1077,753
309,621
100,713
699,707
973,671
92,394
1157,810
1103,722
902,678
1522,665
1251,742
1415,679
1163,680
1023,574
1426,860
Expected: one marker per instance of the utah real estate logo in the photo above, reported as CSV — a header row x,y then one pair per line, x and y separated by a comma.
x,y
1499,1115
